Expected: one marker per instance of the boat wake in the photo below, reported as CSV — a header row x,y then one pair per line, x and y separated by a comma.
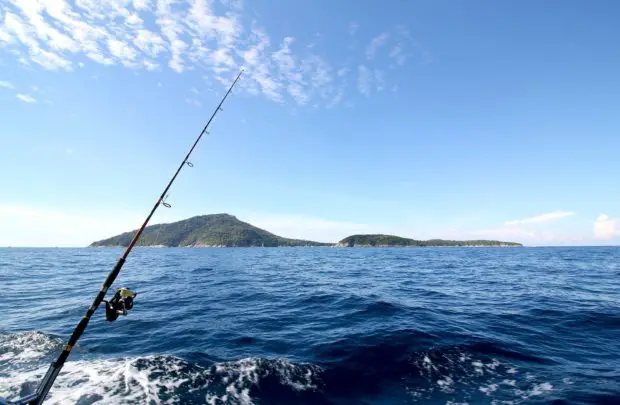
x,y
453,374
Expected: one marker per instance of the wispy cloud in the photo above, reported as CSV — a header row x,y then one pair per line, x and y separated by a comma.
x,y
6,85
305,227
193,102
26,98
342,71
527,237
364,80
508,234
551,216
33,226
375,44
397,54
183,36
353,28
379,80
606,228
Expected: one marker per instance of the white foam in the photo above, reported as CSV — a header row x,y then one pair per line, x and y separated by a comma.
x,y
488,389
114,381
478,367
468,375
540,389
160,380
26,347
241,374
535,390
446,384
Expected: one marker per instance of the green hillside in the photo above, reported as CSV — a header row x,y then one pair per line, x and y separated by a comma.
x,y
391,240
205,230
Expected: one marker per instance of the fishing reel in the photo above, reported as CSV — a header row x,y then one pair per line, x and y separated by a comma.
x,y
120,304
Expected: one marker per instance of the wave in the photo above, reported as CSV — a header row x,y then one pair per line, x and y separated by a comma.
x,y
168,379
347,371
19,348
483,372
157,379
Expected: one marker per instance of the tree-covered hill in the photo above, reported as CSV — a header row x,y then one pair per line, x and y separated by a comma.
x,y
391,240
205,230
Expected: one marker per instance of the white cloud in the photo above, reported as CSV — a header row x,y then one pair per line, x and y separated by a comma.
x,y
353,28
261,42
182,35
336,99
193,102
375,44
606,228
125,53
303,227
150,65
32,29
35,226
287,66
397,54
32,226
527,237
133,19
141,4
50,60
26,98
551,216
6,85
194,90
149,42
379,80
508,234
222,57
364,80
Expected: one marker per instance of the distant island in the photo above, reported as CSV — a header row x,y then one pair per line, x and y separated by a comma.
x,y
396,241
215,230
225,230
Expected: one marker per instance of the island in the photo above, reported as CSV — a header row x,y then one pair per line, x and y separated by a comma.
x,y
214,230
225,230
380,240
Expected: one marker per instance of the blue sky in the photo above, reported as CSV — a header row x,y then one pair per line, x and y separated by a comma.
x,y
426,119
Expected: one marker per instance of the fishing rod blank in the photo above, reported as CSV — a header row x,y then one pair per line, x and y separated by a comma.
x,y
44,387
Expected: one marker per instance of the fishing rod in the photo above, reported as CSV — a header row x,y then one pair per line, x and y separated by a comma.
x,y
123,299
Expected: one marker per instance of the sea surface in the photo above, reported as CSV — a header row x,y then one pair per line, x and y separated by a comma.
x,y
318,326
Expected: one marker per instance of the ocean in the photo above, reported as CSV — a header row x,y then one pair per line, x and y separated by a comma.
x,y
318,326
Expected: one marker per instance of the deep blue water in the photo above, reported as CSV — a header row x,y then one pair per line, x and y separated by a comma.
x,y
319,326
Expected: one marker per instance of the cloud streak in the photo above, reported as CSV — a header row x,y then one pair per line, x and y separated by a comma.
x,y
26,98
184,36
551,216
376,43
35,226
305,227
353,28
